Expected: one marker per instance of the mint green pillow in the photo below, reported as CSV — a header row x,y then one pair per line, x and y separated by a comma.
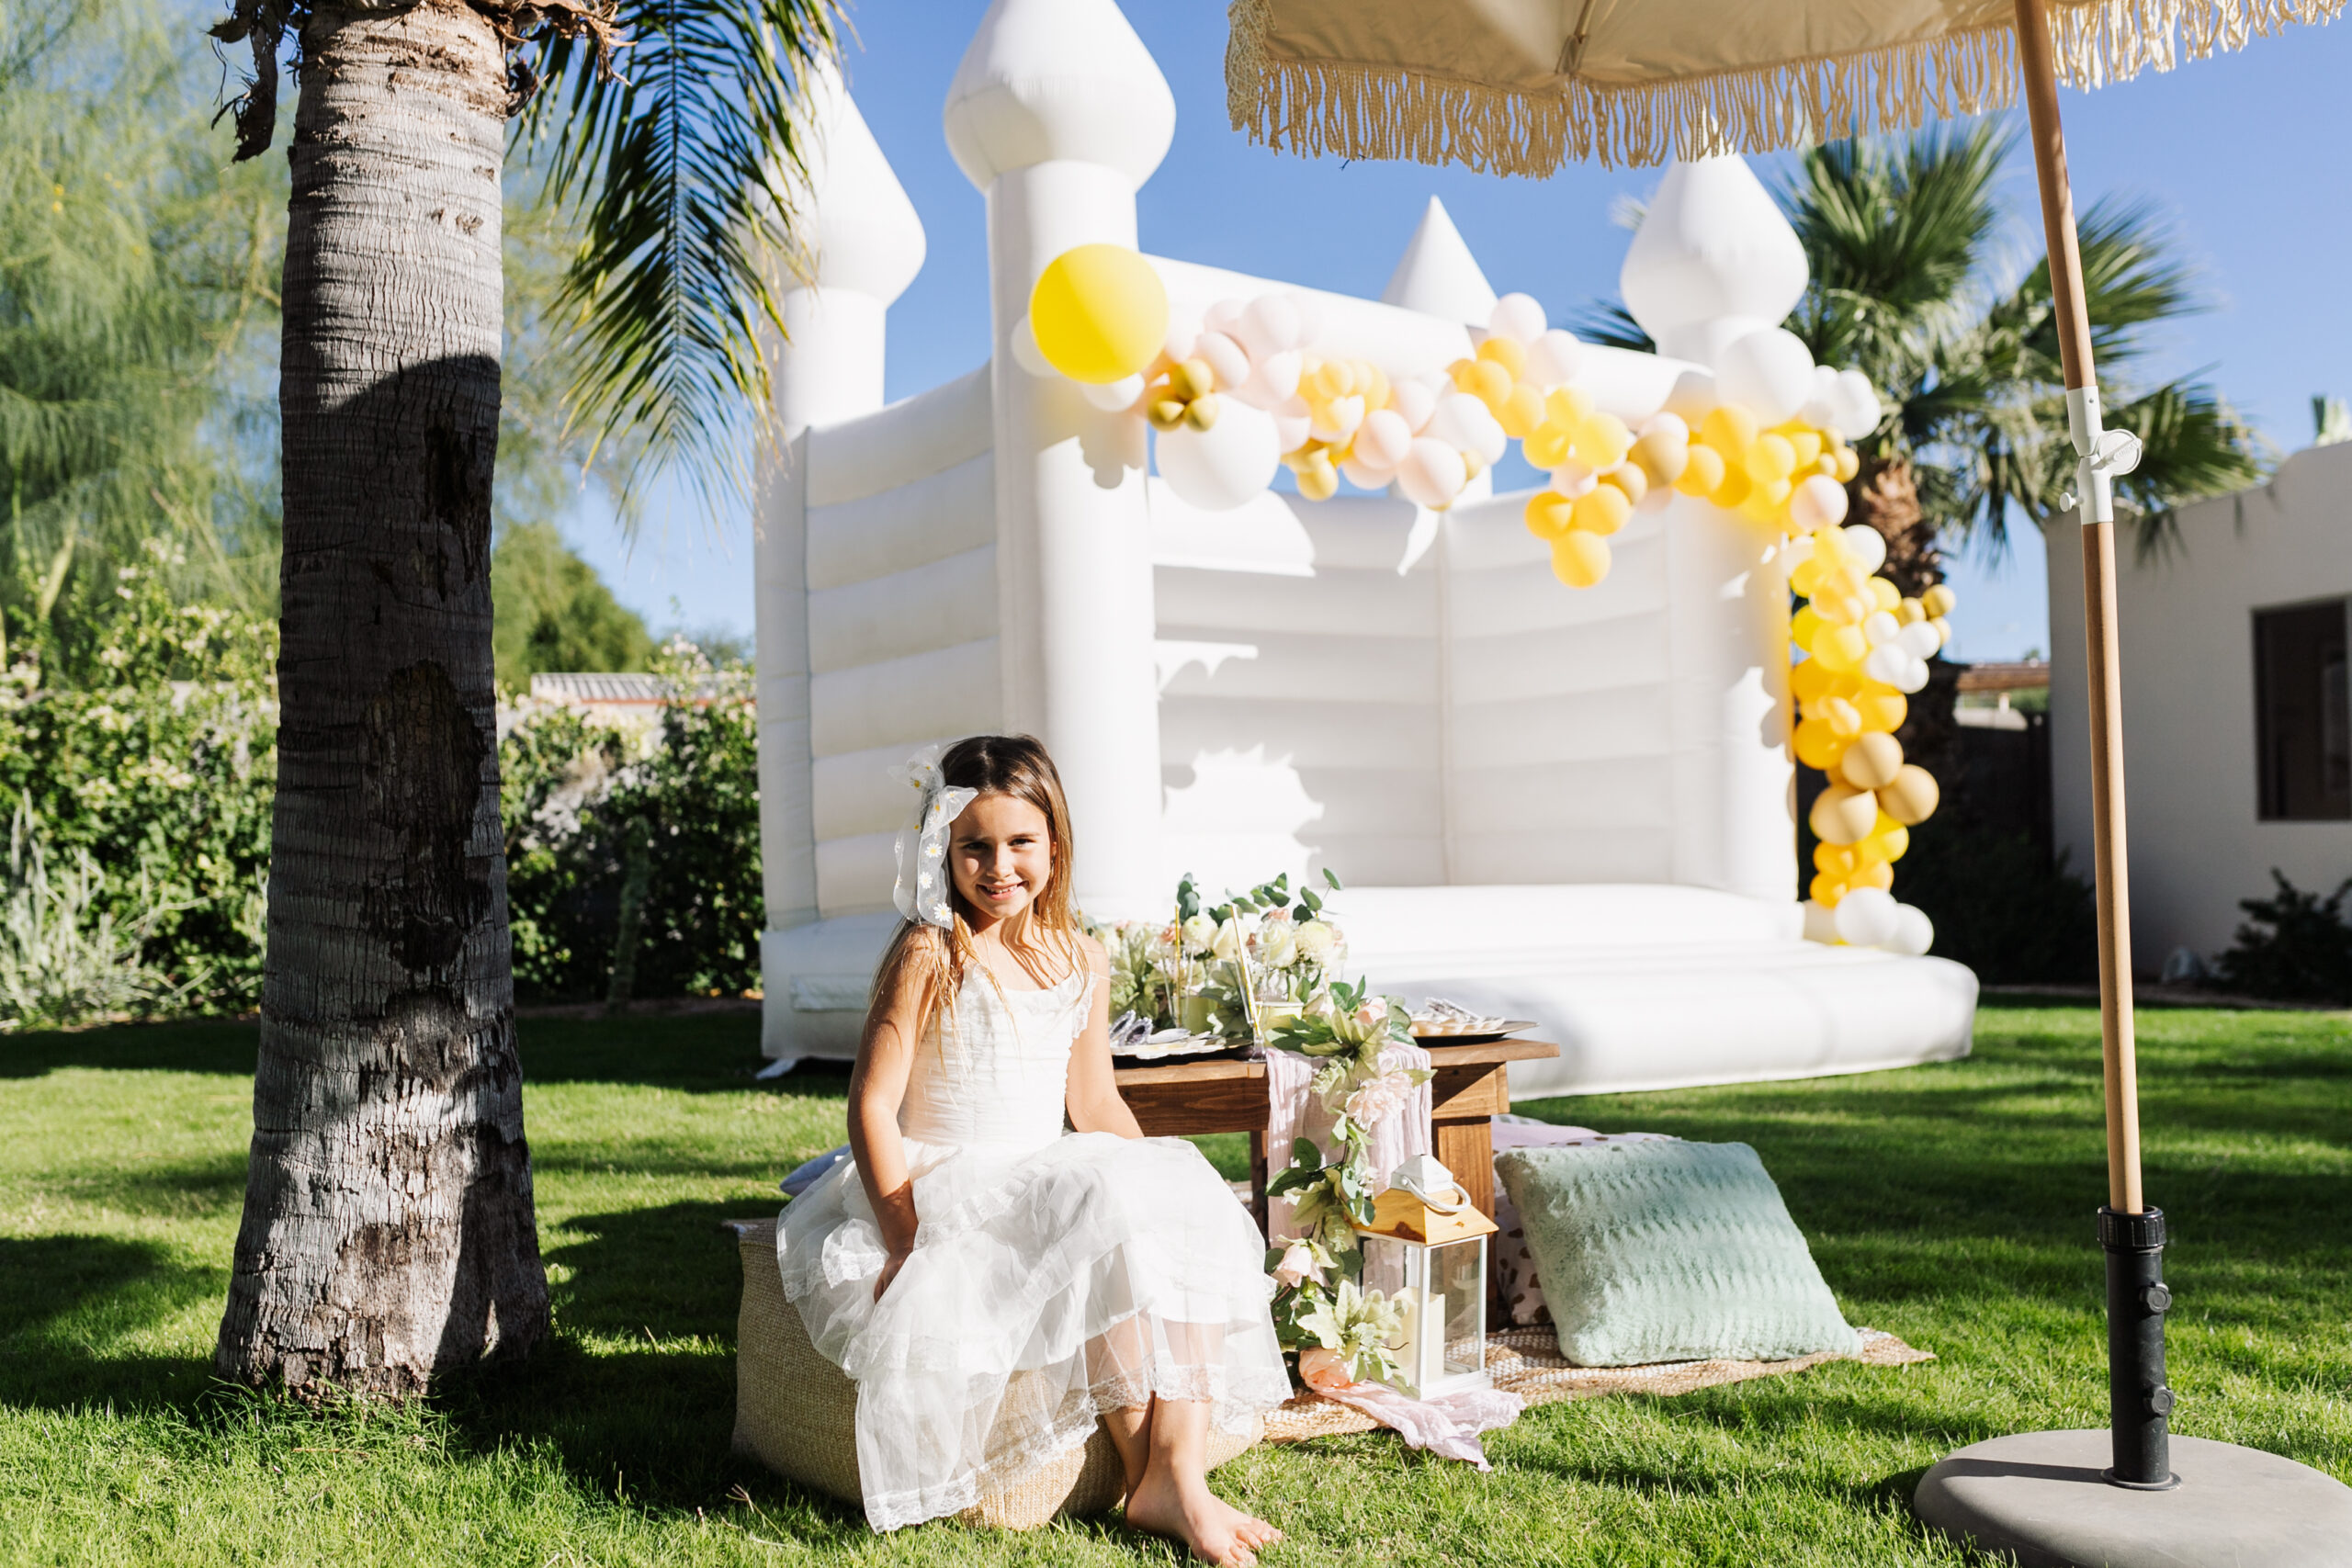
x,y
1669,1251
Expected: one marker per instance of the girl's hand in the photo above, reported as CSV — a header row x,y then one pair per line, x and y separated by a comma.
x,y
897,1261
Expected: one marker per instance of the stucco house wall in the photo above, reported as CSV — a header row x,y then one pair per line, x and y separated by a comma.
x,y
2196,843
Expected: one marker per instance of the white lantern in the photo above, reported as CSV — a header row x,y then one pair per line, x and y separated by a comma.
x,y
1426,1250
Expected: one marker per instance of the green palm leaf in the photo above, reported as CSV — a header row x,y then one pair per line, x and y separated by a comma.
x,y
682,168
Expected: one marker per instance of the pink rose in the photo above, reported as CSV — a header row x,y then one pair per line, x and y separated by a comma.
x,y
1323,1369
1380,1099
1298,1263
1372,1017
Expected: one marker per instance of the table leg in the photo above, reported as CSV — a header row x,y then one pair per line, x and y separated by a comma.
x,y
1467,1149
1258,1210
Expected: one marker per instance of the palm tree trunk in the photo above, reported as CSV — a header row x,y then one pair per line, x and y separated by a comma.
x,y
388,1230
1886,495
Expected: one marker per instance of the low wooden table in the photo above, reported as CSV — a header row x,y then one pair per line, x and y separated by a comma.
x,y
1470,1089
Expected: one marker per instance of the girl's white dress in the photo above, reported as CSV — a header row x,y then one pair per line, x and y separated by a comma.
x,y
1055,1275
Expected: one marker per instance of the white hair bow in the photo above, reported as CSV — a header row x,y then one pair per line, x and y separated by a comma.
x,y
921,890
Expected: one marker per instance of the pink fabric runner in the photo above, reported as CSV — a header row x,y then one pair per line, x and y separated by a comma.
x,y
1296,1114
1447,1426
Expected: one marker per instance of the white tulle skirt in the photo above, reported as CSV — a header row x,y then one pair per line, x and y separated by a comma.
x,y
1046,1286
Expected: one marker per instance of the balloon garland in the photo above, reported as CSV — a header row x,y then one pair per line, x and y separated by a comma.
x,y
1236,395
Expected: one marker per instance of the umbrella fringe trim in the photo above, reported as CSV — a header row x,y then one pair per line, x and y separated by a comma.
x,y
1359,110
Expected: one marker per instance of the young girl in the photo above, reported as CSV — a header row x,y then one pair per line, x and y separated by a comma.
x,y
996,1285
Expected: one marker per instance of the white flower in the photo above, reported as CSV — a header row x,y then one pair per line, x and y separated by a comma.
x,y
1278,950
1226,944
1199,932
1298,1263
1317,941
1322,1007
1382,1098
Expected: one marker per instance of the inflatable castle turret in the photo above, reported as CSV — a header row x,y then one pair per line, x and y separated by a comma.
x,y
1571,807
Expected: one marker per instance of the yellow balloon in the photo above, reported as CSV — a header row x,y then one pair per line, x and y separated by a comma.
x,y
1883,710
1728,429
1832,861
1804,627
1460,370
1100,313
1630,476
1817,746
1549,514
1807,444
1805,576
1840,648
1732,490
1808,680
1703,474
1891,841
1579,559
1567,407
1849,463
1502,351
1603,509
1602,441
1939,601
1771,457
1318,479
1490,384
1521,412
1877,875
1911,797
1547,445
1842,816
1663,453
1826,890
1884,595
1872,761
1844,719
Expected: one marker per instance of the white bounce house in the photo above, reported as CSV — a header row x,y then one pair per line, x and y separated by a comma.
x,y
1570,806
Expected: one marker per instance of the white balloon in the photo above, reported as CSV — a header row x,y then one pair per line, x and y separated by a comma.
x,y
1310,318
1820,921
1518,317
1366,475
1112,396
1268,326
1820,502
1273,381
1657,498
1343,415
1920,639
1231,462
1466,423
1382,439
1294,426
1573,478
1913,933
1889,665
1856,406
1223,316
1694,395
1914,676
1414,402
1769,373
1665,421
1866,545
1880,628
1554,358
1822,407
1025,352
1432,473
1866,917
1183,331
1797,551
1226,360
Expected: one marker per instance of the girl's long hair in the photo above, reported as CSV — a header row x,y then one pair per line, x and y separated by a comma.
x,y
1042,938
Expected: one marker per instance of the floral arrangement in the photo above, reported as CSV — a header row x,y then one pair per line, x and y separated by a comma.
x,y
1226,970
1318,1302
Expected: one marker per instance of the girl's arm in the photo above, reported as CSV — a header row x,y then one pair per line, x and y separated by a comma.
x,y
877,1085
1094,1103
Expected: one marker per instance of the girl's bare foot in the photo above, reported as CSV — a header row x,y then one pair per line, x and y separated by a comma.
x,y
1217,1532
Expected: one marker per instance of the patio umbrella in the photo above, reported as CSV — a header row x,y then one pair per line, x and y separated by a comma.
x,y
1522,86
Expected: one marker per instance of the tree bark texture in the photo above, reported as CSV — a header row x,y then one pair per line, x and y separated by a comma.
x,y
388,1230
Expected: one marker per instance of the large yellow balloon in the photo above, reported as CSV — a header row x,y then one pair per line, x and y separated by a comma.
x,y
1603,509
1549,514
1842,816
1100,313
1579,559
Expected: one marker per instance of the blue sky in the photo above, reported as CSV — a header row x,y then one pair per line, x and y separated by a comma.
x,y
2247,155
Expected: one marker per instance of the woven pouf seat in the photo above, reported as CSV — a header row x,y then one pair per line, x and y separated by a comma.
x,y
796,1413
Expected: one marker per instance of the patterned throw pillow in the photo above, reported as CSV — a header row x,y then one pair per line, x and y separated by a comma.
x,y
1669,1251
1511,1267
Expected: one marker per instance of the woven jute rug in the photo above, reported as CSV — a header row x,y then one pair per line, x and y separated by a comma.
x,y
1527,1362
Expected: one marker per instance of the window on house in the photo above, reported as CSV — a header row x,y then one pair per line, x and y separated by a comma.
x,y
2302,713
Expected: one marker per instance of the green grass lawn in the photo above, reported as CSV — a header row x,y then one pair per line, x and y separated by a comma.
x,y
1952,1205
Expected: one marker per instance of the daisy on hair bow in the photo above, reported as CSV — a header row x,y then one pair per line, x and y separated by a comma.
x,y
921,890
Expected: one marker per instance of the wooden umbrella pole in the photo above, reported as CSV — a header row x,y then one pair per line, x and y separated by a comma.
x,y
2103,660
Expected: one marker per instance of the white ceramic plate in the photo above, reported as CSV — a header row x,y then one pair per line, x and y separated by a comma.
x,y
1151,1050
1443,1034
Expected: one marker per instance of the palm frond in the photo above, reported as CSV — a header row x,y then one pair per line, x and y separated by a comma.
x,y
1610,324
683,169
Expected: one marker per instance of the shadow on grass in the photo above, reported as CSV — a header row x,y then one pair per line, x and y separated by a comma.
x,y
67,1297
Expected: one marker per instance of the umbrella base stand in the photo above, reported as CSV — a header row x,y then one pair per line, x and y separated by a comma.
x,y
2044,1499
